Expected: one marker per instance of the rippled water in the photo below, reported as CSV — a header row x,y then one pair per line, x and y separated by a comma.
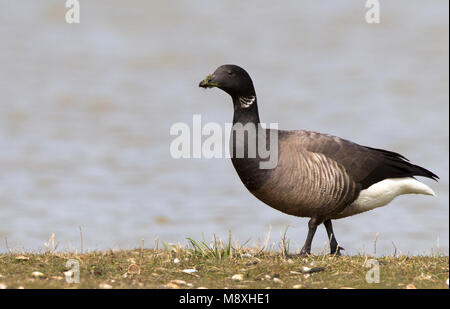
x,y
86,109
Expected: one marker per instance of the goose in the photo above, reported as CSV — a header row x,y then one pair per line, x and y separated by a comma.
x,y
316,176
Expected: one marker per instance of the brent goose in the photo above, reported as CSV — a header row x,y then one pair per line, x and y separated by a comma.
x,y
318,176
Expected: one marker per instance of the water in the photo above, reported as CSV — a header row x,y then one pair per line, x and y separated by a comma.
x,y
86,110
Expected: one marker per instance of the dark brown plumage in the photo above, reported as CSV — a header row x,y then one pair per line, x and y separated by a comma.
x,y
317,175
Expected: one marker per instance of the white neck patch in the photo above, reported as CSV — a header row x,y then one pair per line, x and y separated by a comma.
x,y
246,102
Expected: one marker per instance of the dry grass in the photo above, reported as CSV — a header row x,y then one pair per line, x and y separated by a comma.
x,y
214,265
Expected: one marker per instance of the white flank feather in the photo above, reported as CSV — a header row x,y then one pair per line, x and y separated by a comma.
x,y
383,192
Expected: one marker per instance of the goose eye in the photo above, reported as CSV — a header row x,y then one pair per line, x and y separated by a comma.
x,y
230,73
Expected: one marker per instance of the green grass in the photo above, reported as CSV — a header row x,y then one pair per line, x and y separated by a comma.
x,y
215,265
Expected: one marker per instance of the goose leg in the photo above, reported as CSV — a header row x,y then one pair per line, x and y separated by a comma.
x,y
334,247
312,226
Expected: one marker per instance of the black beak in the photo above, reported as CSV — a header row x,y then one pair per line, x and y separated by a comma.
x,y
208,82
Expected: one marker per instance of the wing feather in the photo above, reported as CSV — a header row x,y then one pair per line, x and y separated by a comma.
x,y
365,165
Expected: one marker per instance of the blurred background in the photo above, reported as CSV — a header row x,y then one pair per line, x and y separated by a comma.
x,y
85,113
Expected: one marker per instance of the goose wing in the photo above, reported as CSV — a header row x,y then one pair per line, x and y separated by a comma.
x,y
365,165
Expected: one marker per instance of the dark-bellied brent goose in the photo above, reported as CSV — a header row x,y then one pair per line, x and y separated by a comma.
x,y
317,176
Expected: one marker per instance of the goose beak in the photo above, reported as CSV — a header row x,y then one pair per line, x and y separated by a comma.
x,y
208,82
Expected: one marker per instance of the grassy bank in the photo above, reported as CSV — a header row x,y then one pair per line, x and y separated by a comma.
x,y
201,266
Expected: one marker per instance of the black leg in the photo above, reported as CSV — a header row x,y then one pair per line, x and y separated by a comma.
x,y
312,226
334,247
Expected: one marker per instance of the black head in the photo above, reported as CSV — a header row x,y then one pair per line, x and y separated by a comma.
x,y
232,79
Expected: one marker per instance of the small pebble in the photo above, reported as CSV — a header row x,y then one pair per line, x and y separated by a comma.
x,y
134,269
237,277
37,274
189,271
104,286
172,285
22,258
297,286
277,280
268,277
3,286
307,270
176,261
179,282
201,288
68,274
